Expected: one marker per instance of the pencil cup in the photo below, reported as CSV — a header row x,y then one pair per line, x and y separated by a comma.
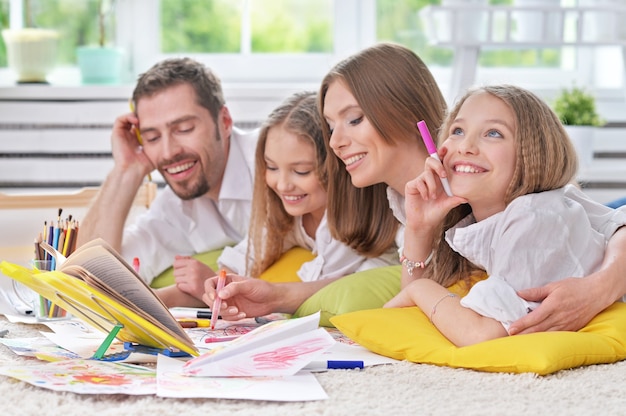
x,y
44,309
22,299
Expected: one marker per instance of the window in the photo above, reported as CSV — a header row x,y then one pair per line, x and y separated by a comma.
x,y
297,41
254,40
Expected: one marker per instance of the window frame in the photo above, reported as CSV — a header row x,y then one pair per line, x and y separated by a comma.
x,y
138,27
356,30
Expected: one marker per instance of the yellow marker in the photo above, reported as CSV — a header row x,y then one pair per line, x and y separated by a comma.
x,y
137,132
195,323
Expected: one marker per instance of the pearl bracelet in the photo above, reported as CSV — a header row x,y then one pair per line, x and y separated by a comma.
x,y
410,265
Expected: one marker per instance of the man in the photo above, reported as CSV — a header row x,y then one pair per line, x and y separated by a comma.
x,y
189,137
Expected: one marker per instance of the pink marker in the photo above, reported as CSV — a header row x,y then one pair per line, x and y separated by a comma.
x,y
432,151
217,303
221,339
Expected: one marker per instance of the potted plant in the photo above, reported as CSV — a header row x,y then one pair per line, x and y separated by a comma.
x,y
31,51
577,110
101,63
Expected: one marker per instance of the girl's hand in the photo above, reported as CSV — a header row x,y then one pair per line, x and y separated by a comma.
x,y
426,202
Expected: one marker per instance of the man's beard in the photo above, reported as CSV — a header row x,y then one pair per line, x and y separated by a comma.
x,y
201,187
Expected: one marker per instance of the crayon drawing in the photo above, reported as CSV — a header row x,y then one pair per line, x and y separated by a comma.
x,y
86,377
37,347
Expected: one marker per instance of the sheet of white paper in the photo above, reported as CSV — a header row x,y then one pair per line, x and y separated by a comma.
x,y
86,377
37,347
85,345
285,357
345,352
172,383
74,328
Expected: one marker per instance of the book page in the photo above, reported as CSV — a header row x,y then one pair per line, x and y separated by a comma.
x,y
118,276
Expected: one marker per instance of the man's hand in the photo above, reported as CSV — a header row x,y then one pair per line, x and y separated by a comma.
x,y
567,305
126,149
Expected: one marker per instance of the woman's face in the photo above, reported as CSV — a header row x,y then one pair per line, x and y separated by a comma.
x,y
368,158
290,172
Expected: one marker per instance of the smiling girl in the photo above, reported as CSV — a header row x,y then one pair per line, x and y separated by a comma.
x,y
514,214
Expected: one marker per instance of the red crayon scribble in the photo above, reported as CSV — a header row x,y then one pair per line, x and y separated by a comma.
x,y
284,356
105,379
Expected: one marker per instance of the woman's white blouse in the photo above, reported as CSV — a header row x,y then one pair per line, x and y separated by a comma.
x,y
539,238
332,257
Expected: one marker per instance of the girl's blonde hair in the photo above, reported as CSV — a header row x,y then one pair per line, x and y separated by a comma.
x,y
269,222
395,90
546,160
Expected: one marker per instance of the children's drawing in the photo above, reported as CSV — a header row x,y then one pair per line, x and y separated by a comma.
x,y
278,348
39,347
86,377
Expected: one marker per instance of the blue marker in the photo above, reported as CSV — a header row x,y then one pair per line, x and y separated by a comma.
x,y
334,365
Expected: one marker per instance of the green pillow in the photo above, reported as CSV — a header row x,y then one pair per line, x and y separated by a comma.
x,y
166,278
369,289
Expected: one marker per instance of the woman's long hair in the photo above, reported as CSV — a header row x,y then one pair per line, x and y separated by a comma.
x,y
395,90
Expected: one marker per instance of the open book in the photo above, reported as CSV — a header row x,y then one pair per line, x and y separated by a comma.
x,y
97,285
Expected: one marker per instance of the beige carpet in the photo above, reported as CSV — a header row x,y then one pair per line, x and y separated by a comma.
x,y
389,390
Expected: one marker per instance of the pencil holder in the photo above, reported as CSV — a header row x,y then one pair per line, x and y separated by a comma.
x,y
44,309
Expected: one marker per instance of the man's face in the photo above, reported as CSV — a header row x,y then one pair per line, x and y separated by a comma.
x,y
181,139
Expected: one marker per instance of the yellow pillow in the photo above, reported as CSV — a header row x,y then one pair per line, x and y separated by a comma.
x,y
283,270
407,334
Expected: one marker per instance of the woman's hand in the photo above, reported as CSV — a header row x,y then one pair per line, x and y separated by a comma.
x,y
242,296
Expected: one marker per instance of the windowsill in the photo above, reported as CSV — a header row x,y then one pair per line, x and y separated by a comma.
x,y
64,85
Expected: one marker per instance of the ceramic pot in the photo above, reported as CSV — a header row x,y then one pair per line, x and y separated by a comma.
x,y
31,53
100,65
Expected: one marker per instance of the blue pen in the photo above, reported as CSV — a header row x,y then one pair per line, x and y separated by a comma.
x,y
334,365
55,243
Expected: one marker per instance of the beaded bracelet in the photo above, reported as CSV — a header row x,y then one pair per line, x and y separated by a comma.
x,y
434,309
410,265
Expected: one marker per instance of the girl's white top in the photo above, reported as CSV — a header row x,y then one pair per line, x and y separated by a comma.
x,y
396,204
333,258
539,238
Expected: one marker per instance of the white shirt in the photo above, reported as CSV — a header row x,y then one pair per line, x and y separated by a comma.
x,y
173,226
333,258
396,203
539,238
